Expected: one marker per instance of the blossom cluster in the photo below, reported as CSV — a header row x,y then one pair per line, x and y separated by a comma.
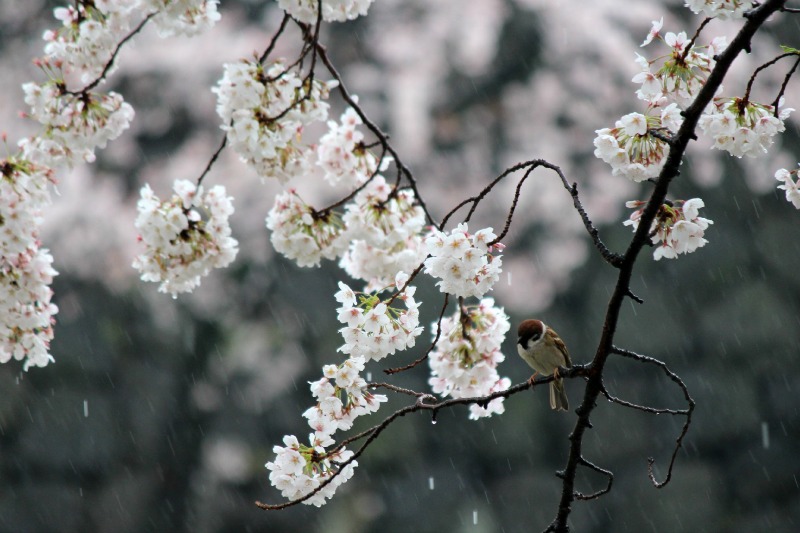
x,y
332,10
632,147
373,327
464,363
342,155
463,263
741,127
300,469
74,125
677,226
86,40
385,233
683,72
636,147
181,245
722,9
789,185
264,111
182,17
342,396
302,234
90,31
26,270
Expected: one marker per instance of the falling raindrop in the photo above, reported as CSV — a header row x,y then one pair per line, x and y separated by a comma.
x,y
85,408
765,435
369,376
475,517
430,483
509,278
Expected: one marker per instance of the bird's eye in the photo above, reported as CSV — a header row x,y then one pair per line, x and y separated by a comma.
x,y
536,336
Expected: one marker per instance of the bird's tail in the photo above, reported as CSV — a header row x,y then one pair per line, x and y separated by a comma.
x,y
558,396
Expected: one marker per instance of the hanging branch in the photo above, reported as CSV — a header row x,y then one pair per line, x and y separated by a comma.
x,y
113,57
382,137
372,433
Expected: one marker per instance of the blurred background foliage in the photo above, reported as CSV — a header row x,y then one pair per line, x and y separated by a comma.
x,y
159,414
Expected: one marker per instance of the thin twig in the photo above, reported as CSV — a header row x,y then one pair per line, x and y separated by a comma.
x,y
213,160
783,86
687,412
113,57
690,44
432,346
610,257
382,137
274,39
593,496
372,433
646,409
752,79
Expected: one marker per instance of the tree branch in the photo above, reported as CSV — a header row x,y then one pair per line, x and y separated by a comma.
x,y
594,385
419,405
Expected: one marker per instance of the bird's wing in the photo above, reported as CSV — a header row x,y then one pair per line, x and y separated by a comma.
x,y
563,349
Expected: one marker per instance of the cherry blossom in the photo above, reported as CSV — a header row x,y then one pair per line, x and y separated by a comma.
x,y
181,244
789,185
741,127
342,154
375,328
299,469
86,41
264,111
74,124
384,228
332,10
630,146
722,9
302,234
681,74
26,270
183,17
463,263
342,396
464,363
677,226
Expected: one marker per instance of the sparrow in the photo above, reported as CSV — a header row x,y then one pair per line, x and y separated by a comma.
x,y
542,348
